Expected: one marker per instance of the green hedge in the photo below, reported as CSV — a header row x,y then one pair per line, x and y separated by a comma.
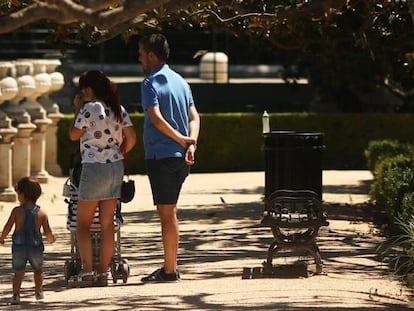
x,y
234,142
379,149
392,164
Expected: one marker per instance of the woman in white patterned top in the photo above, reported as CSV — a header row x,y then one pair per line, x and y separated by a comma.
x,y
106,134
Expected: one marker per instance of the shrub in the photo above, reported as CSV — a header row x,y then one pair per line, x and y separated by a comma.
x,y
407,208
390,162
391,186
380,149
401,246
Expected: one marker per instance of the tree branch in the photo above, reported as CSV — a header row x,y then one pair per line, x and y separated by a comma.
x,y
109,18
66,12
32,14
106,18
98,37
410,4
313,8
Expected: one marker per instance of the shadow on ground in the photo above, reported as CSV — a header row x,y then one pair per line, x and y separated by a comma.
x,y
217,236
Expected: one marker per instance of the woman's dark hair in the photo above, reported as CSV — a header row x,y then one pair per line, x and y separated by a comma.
x,y
103,89
30,188
156,43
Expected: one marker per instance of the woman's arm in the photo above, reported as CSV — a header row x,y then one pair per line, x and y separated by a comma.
x,y
130,139
74,132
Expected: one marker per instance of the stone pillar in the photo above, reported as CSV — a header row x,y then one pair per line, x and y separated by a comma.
x,y
38,153
22,120
53,113
7,192
40,119
22,151
8,87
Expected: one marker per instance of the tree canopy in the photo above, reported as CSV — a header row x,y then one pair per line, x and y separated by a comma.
x,y
346,47
100,20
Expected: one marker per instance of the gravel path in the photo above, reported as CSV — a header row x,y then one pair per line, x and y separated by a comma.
x,y
221,241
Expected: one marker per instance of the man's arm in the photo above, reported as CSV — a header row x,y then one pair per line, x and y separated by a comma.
x,y
194,123
164,127
194,128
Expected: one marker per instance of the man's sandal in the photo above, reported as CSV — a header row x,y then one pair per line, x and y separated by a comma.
x,y
83,279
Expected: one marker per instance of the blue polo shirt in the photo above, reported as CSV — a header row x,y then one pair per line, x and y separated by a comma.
x,y
167,89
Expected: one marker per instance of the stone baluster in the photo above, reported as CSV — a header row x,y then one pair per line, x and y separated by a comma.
x,y
40,119
21,119
64,96
9,89
53,113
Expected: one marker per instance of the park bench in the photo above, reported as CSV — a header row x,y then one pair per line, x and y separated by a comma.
x,y
294,217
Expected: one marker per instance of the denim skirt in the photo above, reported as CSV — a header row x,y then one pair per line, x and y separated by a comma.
x,y
101,181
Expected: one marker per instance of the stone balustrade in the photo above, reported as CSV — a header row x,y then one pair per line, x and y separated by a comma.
x,y
28,121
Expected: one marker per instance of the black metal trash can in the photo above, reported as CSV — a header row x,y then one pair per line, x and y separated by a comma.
x,y
293,161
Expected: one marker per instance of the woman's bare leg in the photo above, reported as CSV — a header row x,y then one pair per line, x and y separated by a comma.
x,y
106,218
85,213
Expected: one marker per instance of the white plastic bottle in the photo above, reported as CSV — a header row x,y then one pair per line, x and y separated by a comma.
x,y
265,122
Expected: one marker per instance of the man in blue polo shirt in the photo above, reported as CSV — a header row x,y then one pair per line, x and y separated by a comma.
x,y
171,128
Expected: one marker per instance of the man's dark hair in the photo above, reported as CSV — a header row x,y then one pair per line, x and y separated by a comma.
x,y
30,188
156,43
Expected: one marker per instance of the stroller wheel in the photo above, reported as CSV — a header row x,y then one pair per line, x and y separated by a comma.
x,y
70,269
114,272
125,270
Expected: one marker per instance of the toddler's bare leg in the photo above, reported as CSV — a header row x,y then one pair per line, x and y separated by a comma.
x,y
38,279
17,281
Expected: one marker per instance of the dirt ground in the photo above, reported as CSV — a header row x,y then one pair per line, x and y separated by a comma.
x,y
222,249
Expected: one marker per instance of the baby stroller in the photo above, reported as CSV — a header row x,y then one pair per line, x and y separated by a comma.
x,y
119,266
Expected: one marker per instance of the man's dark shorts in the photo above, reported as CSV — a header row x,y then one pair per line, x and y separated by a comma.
x,y
166,178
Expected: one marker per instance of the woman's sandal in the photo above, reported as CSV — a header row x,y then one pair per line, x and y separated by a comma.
x,y
101,279
83,279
